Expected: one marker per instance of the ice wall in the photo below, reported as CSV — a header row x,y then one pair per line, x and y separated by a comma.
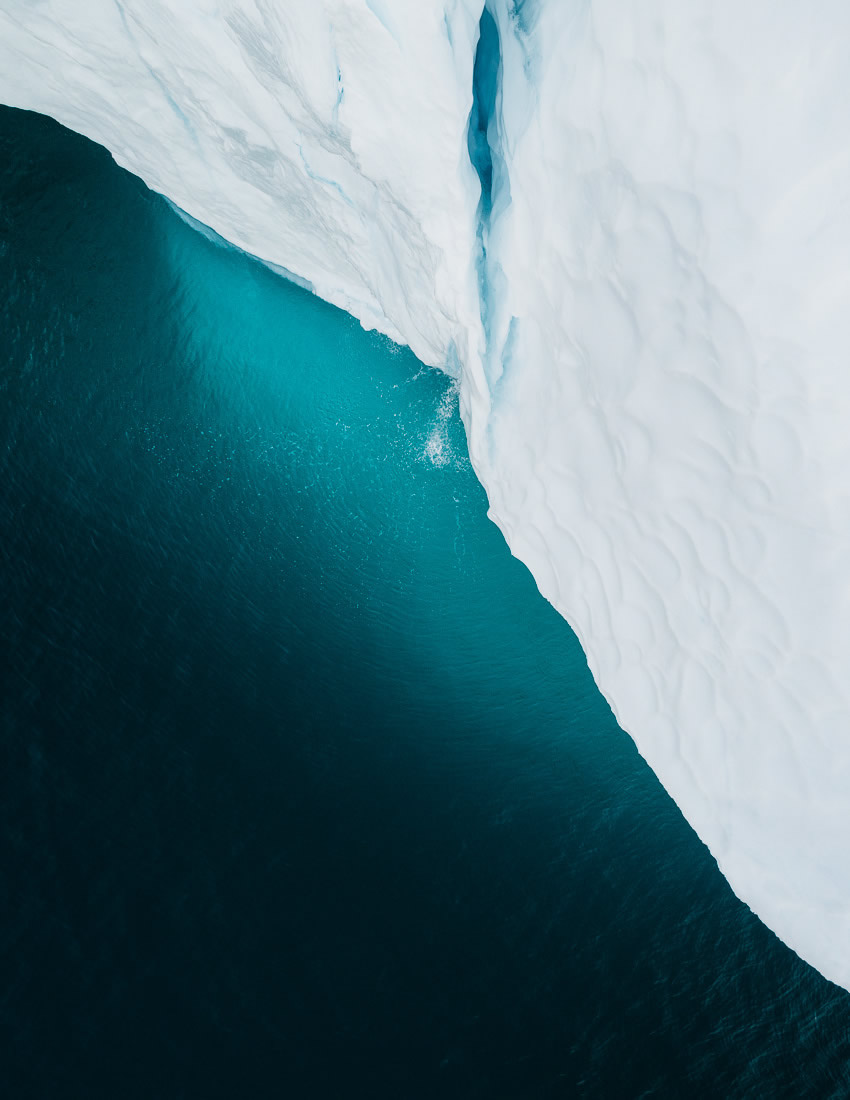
x,y
668,442
326,136
648,304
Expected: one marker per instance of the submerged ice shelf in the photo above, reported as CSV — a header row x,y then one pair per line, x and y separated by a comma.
x,y
624,225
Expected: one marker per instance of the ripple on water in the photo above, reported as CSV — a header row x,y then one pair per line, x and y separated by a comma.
x,y
306,787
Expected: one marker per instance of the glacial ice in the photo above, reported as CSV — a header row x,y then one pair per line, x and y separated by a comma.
x,y
648,312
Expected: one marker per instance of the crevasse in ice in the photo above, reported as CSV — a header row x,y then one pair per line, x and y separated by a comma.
x,y
631,242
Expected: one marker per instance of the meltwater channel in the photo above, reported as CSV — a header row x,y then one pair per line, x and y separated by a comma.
x,y
306,791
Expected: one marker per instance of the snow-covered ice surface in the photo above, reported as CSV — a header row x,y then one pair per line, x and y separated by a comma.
x,y
657,398
668,447
309,133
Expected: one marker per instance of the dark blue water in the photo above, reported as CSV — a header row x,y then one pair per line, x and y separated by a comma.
x,y
305,792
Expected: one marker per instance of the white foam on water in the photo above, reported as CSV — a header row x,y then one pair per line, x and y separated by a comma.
x,y
439,449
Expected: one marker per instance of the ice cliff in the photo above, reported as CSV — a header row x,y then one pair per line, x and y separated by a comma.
x,y
627,226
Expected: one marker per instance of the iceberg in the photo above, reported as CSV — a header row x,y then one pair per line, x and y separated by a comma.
x,y
624,227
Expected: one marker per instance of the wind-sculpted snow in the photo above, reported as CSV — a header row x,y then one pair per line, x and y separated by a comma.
x,y
661,271
668,446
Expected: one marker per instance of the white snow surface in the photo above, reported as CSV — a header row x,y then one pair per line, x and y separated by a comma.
x,y
658,404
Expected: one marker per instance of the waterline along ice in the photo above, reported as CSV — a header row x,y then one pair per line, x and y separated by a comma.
x,y
628,243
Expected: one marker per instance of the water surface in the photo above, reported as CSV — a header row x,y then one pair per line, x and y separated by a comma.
x,y
306,791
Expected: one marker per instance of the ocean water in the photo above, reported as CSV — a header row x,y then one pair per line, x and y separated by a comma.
x,y
305,791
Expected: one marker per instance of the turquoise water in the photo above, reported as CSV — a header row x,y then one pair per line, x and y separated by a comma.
x,y
307,791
